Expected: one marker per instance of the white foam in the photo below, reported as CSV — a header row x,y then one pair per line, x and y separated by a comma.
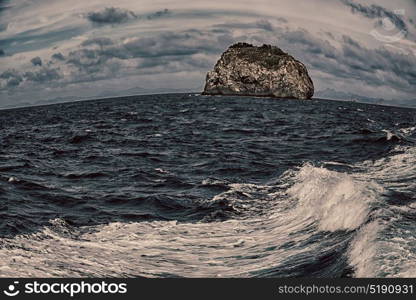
x,y
302,202
386,247
408,130
160,170
13,179
150,249
389,134
396,171
363,249
270,216
210,181
337,200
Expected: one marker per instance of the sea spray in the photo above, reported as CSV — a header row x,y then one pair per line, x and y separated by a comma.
x,y
336,200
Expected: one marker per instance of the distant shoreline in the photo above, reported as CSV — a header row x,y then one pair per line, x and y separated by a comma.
x,y
199,93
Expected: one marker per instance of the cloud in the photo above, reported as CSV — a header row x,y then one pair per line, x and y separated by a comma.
x,y
301,41
164,44
111,15
39,39
194,50
42,75
172,43
376,67
58,56
36,61
74,54
164,52
199,49
11,73
115,15
262,24
101,41
158,14
12,77
376,12
4,4
87,60
349,41
344,59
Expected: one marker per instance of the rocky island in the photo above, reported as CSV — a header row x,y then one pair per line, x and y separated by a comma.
x,y
267,71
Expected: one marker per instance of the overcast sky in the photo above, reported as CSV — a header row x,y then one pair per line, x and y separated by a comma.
x,y
71,49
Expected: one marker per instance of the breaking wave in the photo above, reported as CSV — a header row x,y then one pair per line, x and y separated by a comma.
x,y
386,246
279,225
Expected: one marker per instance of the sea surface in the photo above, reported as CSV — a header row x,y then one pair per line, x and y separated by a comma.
x,y
184,185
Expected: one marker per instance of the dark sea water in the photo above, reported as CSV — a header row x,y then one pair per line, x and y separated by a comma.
x,y
199,186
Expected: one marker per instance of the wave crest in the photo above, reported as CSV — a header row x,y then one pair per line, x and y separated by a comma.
x,y
337,200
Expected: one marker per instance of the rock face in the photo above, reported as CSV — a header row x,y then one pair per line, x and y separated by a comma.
x,y
248,70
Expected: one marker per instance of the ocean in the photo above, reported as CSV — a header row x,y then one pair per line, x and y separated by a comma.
x,y
184,185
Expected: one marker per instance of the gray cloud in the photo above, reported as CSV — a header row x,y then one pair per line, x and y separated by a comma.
x,y
170,44
36,61
14,78
10,73
115,15
262,24
173,64
111,15
87,60
101,41
302,42
164,44
158,14
379,68
349,41
162,53
38,39
376,12
166,52
12,82
4,4
376,67
58,56
42,75
197,50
